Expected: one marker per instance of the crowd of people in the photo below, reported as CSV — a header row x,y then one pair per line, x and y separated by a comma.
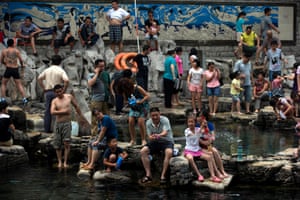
x,y
131,90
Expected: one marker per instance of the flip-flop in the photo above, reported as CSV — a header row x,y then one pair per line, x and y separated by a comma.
x,y
146,179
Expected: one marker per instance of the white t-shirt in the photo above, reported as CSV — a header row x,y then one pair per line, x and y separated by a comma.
x,y
192,140
195,75
118,14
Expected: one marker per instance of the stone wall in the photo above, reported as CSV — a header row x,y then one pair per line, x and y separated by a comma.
x,y
226,50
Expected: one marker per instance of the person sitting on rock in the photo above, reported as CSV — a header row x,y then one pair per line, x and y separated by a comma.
x,y
260,90
113,155
88,36
61,36
282,107
6,126
28,33
192,149
107,130
160,137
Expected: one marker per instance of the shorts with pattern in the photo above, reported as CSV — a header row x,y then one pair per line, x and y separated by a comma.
x,y
115,33
62,134
140,111
11,72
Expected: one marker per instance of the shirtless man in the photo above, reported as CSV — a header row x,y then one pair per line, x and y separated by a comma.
x,y
9,57
115,16
61,108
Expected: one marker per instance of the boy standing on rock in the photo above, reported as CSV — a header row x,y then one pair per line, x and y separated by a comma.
x,y
61,108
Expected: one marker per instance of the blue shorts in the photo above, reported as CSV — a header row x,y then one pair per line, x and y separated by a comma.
x,y
213,91
235,98
247,93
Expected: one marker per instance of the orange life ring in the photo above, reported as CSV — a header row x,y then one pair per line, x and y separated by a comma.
x,y
117,62
125,62
122,61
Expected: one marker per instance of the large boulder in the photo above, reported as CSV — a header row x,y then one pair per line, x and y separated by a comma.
x,y
12,156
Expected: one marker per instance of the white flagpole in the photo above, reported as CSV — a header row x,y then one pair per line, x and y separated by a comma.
x,y
136,28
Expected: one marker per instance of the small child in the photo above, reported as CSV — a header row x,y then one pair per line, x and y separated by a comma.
x,y
282,107
206,135
6,126
276,85
154,30
235,91
113,155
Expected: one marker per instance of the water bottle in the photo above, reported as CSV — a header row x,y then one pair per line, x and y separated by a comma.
x,y
119,162
240,152
132,100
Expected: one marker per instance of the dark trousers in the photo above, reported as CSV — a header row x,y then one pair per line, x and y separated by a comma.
x,y
168,90
49,96
119,103
94,38
143,82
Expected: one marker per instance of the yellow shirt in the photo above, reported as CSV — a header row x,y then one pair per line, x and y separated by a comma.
x,y
236,83
249,39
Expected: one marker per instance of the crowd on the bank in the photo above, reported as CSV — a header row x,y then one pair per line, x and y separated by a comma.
x,y
131,89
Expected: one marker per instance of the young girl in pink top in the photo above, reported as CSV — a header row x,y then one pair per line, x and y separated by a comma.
x,y
212,76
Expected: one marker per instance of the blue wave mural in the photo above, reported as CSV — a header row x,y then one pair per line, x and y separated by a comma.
x,y
178,21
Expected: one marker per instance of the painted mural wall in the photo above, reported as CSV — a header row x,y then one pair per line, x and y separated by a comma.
x,y
177,21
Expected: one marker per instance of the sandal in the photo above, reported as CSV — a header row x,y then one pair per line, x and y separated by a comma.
x,y
215,179
146,179
163,181
200,178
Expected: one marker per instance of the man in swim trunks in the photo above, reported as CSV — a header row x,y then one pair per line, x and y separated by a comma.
x,y
9,57
116,16
61,108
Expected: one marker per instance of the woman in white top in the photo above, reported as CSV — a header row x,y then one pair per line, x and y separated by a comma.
x,y
195,84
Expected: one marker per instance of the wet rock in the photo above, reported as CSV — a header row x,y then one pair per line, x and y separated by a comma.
x,y
180,173
12,156
116,177
261,171
18,117
211,185
285,175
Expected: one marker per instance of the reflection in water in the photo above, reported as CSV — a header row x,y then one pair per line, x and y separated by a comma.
x,y
254,140
37,181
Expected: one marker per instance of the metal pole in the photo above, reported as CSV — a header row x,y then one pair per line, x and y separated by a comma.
x,y
136,28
